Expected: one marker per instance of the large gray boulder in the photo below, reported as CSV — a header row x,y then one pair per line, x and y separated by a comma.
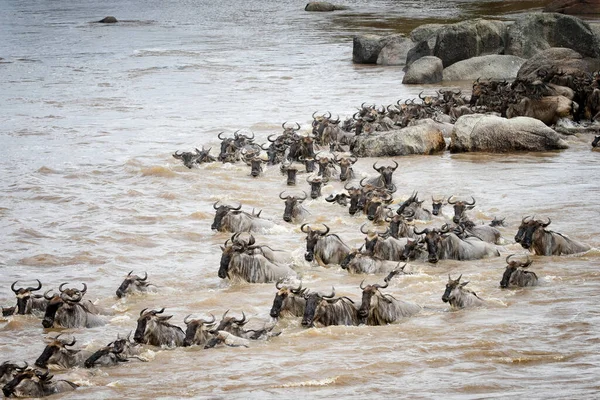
x,y
536,32
323,6
553,59
366,48
427,69
469,39
420,50
394,51
489,133
426,32
423,139
494,66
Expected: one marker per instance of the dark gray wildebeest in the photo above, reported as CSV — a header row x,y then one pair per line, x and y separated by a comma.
x,y
9,370
324,247
376,207
326,166
382,309
515,274
445,245
327,310
436,206
232,219
415,250
32,383
460,207
190,159
133,284
596,143
467,228
155,330
198,331
340,198
294,212
383,246
359,263
345,164
316,184
27,302
58,355
115,353
67,310
235,326
288,301
255,164
235,243
249,263
497,222
385,175
459,297
399,227
291,171
547,243
414,205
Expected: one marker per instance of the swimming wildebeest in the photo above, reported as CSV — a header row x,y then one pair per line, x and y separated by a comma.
x,y
119,351
533,235
515,274
324,247
235,326
459,297
288,301
154,329
27,302
294,212
9,370
133,284
198,331
328,310
360,263
380,245
58,355
385,175
32,383
460,207
232,219
443,244
382,309
67,310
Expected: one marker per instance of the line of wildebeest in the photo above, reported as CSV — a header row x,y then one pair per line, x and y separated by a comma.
x,y
391,238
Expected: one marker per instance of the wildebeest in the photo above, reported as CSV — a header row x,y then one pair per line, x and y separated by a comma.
x,y
460,207
58,355
236,244
345,164
340,198
376,207
32,383
548,109
414,250
232,219
547,243
443,244
459,297
596,143
291,172
327,310
133,284
382,309
189,159
288,301
436,205
248,263
198,331
399,226
9,370
255,164
293,212
235,326
316,183
516,276
497,222
119,351
155,330
383,246
385,175
414,206
27,302
467,228
67,310
359,263
324,247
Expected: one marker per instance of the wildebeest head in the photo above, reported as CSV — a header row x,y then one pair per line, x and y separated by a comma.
x,y
529,230
198,330
433,240
511,267
24,302
365,306
28,383
67,298
406,203
309,163
376,205
188,158
436,205
324,163
282,293
313,299
291,203
351,256
56,352
117,350
132,283
596,141
312,237
147,322
8,371
397,220
255,164
497,222
221,212
228,250
340,198
411,248
460,207
354,194
228,149
291,173
452,289
315,186
372,238
230,324
386,173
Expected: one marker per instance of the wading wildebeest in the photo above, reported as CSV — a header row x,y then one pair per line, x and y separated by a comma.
x,y
235,326
119,351
360,263
198,331
515,274
327,310
232,219
32,383
460,207
533,235
155,330
67,310
288,301
58,355
27,302
324,247
133,284
443,244
382,246
382,309
9,370
294,212
459,297
385,176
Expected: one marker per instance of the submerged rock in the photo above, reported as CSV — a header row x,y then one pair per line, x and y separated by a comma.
x,y
108,20
323,6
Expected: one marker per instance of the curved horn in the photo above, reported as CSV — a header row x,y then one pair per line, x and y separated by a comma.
x,y
445,228
60,288
31,289
471,204
523,219
279,284
215,205
236,209
327,230
209,322
251,240
424,231
396,167
378,286
70,344
144,278
12,287
422,98
162,310
46,295
527,263
271,140
281,197
302,228
219,136
305,196
84,289
141,312
361,229
241,321
332,295
450,202
361,285
375,166
185,320
548,223
508,258
224,314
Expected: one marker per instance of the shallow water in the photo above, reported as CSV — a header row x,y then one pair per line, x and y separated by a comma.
x,y
89,191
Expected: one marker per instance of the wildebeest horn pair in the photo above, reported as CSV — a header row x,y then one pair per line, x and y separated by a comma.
x,y
29,289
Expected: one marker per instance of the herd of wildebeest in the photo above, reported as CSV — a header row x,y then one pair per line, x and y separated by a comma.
x,y
391,237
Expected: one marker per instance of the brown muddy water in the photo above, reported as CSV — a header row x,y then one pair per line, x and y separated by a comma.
x,y
89,191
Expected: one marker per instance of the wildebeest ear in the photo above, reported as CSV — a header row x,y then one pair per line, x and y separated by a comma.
x,y
471,207
463,284
222,248
165,318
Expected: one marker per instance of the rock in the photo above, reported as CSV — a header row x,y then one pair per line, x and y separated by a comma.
x,y
493,66
422,139
444,127
425,70
553,59
426,32
323,6
422,49
395,50
574,7
489,133
468,39
108,20
537,32
366,48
